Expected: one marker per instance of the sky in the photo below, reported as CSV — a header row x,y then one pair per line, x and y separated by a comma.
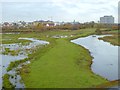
x,y
58,10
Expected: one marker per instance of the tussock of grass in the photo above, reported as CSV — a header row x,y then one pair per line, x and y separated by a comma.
x,y
6,82
15,64
11,52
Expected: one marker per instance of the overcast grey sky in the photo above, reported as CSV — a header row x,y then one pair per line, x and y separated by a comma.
x,y
59,10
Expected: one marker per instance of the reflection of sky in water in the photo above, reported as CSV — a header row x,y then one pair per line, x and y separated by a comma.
x,y
105,62
6,59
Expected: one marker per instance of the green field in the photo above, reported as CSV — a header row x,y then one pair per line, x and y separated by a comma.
x,y
61,64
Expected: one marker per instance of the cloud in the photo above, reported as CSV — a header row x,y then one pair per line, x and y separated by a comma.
x,y
81,10
95,8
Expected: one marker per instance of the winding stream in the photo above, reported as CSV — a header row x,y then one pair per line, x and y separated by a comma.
x,y
105,62
6,59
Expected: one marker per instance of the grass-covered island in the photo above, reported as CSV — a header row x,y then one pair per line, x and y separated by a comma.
x,y
114,38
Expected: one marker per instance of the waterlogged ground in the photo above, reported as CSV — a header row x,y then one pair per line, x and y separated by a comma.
x,y
61,64
24,51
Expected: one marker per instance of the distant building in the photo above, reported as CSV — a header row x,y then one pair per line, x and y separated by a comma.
x,y
107,20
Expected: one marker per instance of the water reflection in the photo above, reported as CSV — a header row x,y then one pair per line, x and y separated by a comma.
x,y
6,59
105,62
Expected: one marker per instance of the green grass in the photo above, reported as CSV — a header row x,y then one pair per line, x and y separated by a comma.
x,y
66,65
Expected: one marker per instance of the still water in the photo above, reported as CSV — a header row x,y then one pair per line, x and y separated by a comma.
x,y
5,60
105,56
